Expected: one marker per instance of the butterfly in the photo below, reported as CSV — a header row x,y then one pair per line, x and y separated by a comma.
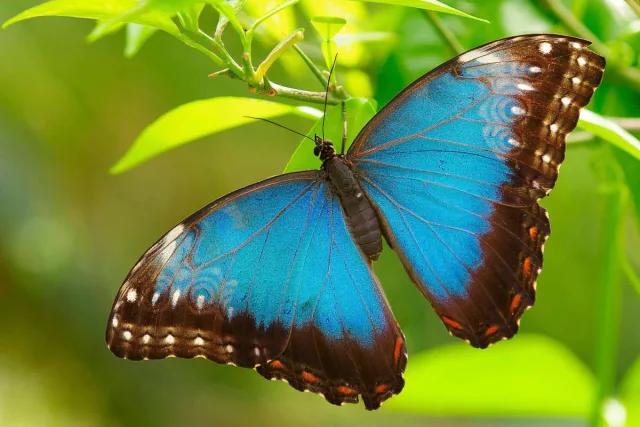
x,y
278,276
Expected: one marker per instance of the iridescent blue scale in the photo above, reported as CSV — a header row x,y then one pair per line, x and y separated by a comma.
x,y
277,276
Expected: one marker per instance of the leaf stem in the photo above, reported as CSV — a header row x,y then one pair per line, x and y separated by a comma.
x,y
273,89
219,47
200,48
629,74
312,66
609,298
277,52
272,12
444,32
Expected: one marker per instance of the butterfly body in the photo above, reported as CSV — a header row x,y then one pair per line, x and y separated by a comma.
x,y
360,214
277,276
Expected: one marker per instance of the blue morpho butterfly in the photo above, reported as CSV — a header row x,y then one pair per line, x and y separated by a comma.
x,y
277,276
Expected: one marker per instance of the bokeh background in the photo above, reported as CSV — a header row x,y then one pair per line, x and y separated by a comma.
x,y
70,230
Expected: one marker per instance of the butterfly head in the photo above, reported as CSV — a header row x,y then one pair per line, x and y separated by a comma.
x,y
324,149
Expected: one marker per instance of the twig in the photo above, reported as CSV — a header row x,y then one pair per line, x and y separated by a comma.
x,y
312,66
273,89
629,74
445,34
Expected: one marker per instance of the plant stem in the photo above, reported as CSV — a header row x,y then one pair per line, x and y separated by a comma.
x,y
609,296
629,74
445,34
274,89
574,24
312,66
227,58
200,48
277,52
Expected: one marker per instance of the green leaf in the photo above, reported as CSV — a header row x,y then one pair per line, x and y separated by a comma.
x,y
630,394
198,119
228,11
433,5
137,36
328,27
359,112
528,376
101,10
610,132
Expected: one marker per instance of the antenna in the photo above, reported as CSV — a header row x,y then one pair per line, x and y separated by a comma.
x,y
281,126
326,93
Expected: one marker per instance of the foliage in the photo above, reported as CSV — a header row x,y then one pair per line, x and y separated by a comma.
x,y
381,48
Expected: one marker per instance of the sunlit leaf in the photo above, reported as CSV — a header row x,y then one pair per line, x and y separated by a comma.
x,y
610,132
101,10
359,112
530,375
434,5
630,394
196,120
137,36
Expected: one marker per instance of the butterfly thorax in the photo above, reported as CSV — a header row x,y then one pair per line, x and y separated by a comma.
x,y
361,216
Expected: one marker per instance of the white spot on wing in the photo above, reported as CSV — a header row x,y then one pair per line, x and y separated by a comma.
x,y
525,86
518,111
132,295
198,341
229,348
170,339
114,322
173,234
576,80
554,127
513,142
545,48
582,61
566,101
546,158
174,298
200,302
535,69
154,298
126,335
146,338
166,253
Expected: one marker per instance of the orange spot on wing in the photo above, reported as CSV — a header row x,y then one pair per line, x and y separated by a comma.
x,y
451,323
382,388
309,377
347,391
397,351
533,232
526,266
276,364
515,303
491,330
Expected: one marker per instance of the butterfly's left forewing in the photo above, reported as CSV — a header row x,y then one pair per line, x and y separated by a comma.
x,y
456,163
266,277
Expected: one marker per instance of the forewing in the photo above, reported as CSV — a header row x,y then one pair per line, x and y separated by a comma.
x,y
265,277
456,163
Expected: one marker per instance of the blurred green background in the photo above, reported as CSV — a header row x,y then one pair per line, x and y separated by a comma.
x,y
70,231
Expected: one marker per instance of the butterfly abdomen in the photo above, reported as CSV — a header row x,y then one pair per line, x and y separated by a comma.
x,y
361,217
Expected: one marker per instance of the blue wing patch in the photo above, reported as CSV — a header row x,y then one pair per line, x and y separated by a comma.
x,y
266,277
456,163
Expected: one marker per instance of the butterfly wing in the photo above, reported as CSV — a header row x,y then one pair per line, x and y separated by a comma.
x,y
266,277
455,165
